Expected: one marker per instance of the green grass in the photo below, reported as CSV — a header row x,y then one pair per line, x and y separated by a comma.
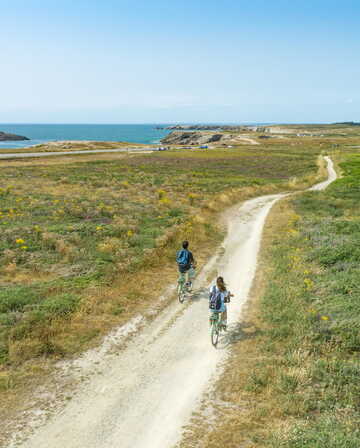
x,y
292,380
312,309
70,231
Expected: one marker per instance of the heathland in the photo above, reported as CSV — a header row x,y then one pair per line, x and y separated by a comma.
x,y
292,380
88,241
81,238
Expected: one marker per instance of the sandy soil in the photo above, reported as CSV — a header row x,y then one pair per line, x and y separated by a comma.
x,y
246,139
72,152
142,396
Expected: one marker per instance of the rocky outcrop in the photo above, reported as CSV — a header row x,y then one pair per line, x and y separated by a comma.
x,y
4,137
191,138
202,127
347,123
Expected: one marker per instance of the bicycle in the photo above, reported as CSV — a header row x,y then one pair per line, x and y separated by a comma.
x,y
215,327
183,288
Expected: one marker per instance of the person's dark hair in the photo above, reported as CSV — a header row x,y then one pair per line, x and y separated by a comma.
x,y
221,284
185,244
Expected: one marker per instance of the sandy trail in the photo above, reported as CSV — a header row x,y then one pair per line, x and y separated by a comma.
x,y
244,139
26,155
331,177
144,396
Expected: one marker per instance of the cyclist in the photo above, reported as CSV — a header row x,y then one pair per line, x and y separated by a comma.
x,y
218,298
185,261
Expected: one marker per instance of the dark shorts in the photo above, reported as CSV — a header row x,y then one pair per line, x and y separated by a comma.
x,y
184,269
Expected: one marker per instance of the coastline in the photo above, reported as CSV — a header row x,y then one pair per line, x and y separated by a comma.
x,y
41,134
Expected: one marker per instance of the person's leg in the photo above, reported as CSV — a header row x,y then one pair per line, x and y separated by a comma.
x,y
187,278
224,318
183,273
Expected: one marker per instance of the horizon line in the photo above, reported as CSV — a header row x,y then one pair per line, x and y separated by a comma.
x,y
181,123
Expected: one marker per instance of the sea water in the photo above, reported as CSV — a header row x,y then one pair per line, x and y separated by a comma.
x,y
42,133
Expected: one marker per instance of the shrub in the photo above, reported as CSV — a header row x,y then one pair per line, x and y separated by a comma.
x,y
61,305
17,298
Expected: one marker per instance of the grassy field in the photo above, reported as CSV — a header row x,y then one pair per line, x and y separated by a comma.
x,y
293,378
83,242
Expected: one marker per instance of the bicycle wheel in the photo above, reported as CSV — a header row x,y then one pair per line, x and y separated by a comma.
x,y
215,331
181,293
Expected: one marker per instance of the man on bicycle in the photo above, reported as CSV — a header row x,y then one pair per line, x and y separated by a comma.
x,y
185,261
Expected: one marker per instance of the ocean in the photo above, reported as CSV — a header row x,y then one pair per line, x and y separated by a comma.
x,y
42,133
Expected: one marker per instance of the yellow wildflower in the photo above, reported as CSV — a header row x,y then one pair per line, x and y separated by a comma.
x,y
24,247
130,233
309,283
324,317
20,241
161,194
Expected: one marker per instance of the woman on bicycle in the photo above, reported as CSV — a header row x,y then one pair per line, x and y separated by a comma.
x,y
218,298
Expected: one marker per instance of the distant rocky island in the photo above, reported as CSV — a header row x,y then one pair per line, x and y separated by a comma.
x,y
348,123
5,137
202,127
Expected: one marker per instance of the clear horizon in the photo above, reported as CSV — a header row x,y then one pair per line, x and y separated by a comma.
x,y
180,123
181,62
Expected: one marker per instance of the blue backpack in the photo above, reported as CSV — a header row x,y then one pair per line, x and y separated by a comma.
x,y
183,257
215,299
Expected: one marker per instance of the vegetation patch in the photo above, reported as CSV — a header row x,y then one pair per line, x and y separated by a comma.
x,y
293,377
88,242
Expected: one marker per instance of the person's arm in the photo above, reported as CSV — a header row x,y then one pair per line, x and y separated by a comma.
x,y
227,296
192,259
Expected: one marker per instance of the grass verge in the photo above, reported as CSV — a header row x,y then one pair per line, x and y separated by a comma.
x,y
292,378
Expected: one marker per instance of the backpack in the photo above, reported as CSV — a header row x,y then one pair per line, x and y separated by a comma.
x,y
215,299
183,257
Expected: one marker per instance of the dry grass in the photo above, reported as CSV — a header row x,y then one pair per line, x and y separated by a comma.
x,y
292,376
200,184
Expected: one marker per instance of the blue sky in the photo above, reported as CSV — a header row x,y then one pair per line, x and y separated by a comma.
x,y
119,61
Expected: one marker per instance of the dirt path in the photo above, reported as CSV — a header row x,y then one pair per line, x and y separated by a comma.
x,y
250,140
26,155
142,397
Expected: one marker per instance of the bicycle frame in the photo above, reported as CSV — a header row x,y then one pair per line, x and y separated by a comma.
x,y
215,328
182,289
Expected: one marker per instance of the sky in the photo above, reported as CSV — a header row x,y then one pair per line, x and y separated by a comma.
x,y
157,61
